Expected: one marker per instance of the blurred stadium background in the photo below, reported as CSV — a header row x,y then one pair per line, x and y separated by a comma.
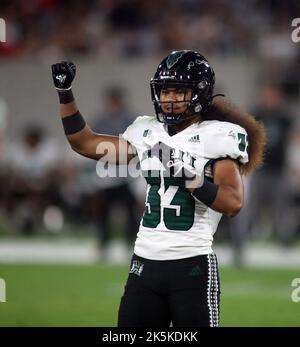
x,y
65,234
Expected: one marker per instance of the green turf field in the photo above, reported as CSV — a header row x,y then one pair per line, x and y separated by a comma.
x,y
88,295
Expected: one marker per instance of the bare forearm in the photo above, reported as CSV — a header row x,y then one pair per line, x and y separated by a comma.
x,y
225,194
221,198
76,140
79,139
68,109
230,195
229,201
96,146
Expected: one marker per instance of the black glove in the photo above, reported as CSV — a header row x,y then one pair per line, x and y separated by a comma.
x,y
63,74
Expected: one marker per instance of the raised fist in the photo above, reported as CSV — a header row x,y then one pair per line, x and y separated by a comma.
x,y
63,74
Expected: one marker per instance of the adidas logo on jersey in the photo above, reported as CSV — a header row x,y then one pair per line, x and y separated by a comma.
x,y
195,138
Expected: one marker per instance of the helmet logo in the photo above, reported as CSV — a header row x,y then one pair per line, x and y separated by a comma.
x,y
174,57
190,64
198,61
202,84
198,108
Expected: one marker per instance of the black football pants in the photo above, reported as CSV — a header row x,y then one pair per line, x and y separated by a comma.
x,y
184,292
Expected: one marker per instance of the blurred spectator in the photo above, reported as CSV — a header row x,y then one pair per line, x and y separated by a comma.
x,y
3,127
239,227
292,216
268,185
111,199
146,27
34,179
3,166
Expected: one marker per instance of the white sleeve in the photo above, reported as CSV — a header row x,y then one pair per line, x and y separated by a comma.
x,y
128,134
232,142
134,133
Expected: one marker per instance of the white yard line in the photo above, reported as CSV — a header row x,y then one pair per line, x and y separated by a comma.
x,y
86,252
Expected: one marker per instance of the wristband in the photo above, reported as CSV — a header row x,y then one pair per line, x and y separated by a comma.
x,y
65,95
73,123
206,193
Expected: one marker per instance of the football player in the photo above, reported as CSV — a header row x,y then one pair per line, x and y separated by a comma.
x,y
192,154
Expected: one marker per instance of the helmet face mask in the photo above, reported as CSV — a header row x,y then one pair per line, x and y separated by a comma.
x,y
182,70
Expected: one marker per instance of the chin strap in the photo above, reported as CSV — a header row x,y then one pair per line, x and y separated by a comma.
x,y
216,96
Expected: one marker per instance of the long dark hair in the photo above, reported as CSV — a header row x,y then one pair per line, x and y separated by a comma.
x,y
223,110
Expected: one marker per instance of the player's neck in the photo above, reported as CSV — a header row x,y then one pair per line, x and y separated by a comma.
x,y
176,128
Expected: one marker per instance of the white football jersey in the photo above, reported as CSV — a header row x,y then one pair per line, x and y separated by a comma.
x,y
175,225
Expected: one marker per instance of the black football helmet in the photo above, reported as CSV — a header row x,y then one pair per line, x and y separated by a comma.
x,y
183,69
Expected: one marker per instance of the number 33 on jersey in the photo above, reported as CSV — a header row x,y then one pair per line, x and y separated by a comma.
x,y
173,221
